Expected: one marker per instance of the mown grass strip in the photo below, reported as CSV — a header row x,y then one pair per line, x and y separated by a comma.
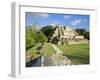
x,y
77,53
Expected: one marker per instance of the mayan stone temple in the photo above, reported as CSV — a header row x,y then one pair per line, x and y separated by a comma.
x,y
66,35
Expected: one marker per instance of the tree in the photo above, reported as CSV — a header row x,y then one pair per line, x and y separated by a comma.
x,y
87,35
34,36
30,37
48,31
40,37
83,32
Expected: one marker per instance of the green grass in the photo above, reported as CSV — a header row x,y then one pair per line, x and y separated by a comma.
x,y
77,53
33,52
47,49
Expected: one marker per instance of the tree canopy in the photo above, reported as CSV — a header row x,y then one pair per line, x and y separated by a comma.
x,y
34,36
48,31
83,32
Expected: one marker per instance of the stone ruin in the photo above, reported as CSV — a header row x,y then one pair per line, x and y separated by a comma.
x,y
66,35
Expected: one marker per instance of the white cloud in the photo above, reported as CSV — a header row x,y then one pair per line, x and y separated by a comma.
x,y
37,15
66,16
75,22
45,15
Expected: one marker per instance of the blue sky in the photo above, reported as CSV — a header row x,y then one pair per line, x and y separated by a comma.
x,y
72,20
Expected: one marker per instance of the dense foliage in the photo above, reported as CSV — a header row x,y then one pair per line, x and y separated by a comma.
x,y
48,31
34,36
83,32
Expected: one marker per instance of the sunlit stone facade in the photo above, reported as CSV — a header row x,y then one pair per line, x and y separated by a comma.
x,y
62,34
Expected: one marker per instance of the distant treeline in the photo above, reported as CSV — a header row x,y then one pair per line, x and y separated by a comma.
x,y
83,32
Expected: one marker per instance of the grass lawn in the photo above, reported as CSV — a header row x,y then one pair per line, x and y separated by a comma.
x,y
77,53
33,52
47,49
